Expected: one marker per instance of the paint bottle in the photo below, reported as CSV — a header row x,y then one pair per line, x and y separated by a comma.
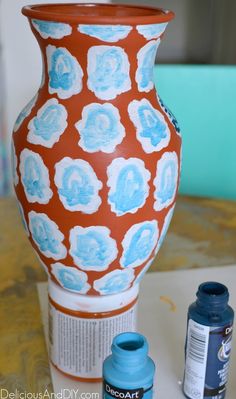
x,y
82,327
208,343
128,372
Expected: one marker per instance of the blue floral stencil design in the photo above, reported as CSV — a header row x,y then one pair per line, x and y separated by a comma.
x,y
166,180
114,282
152,130
70,278
14,163
143,271
171,116
92,248
54,30
146,59
77,185
35,177
151,31
22,216
100,128
46,236
108,71
106,33
128,182
25,112
65,73
49,124
165,227
138,243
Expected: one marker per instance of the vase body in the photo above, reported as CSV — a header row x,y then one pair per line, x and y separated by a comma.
x,y
96,153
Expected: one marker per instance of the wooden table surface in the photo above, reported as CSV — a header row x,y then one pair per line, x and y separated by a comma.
x,y
202,234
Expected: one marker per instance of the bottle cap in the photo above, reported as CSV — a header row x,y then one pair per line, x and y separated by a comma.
x,y
212,295
129,349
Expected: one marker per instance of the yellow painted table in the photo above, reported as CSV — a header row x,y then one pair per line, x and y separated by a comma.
x,y
202,234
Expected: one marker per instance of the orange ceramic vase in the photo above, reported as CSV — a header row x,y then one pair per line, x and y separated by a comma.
x,y
96,158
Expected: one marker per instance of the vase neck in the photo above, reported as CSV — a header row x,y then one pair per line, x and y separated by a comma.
x,y
112,55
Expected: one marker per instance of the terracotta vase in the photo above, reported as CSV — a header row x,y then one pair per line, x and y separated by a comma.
x,y
96,169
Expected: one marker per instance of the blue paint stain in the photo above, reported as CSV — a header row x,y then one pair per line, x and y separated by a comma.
x,y
71,280
24,113
114,282
55,30
43,235
167,182
145,71
152,126
48,123
76,186
33,180
107,33
151,31
93,249
141,244
130,190
108,71
63,70
101,129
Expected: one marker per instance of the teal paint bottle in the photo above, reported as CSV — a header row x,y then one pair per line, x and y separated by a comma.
x,y
208,343
128,372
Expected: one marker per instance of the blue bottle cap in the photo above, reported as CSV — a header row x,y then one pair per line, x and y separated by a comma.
x,y
128,372
212,295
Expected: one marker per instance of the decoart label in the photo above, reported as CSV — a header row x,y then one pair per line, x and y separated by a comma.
x,y
110,391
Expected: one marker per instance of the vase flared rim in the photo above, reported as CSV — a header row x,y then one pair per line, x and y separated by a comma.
x,y
98,13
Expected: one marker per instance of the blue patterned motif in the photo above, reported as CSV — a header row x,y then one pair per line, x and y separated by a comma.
x,y
25,112
170,114
166,180
50,122
106,33
100,128
78,185
146,59
114,282
108,71
92,248
65,73
55,30
152,31
139,243
34,177
46,235
70,278
128,180
152,129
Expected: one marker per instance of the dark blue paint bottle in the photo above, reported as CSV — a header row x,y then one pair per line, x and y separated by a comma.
x,y
128,372
208,343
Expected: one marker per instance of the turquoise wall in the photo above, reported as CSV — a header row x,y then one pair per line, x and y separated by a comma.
x,y
203,99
